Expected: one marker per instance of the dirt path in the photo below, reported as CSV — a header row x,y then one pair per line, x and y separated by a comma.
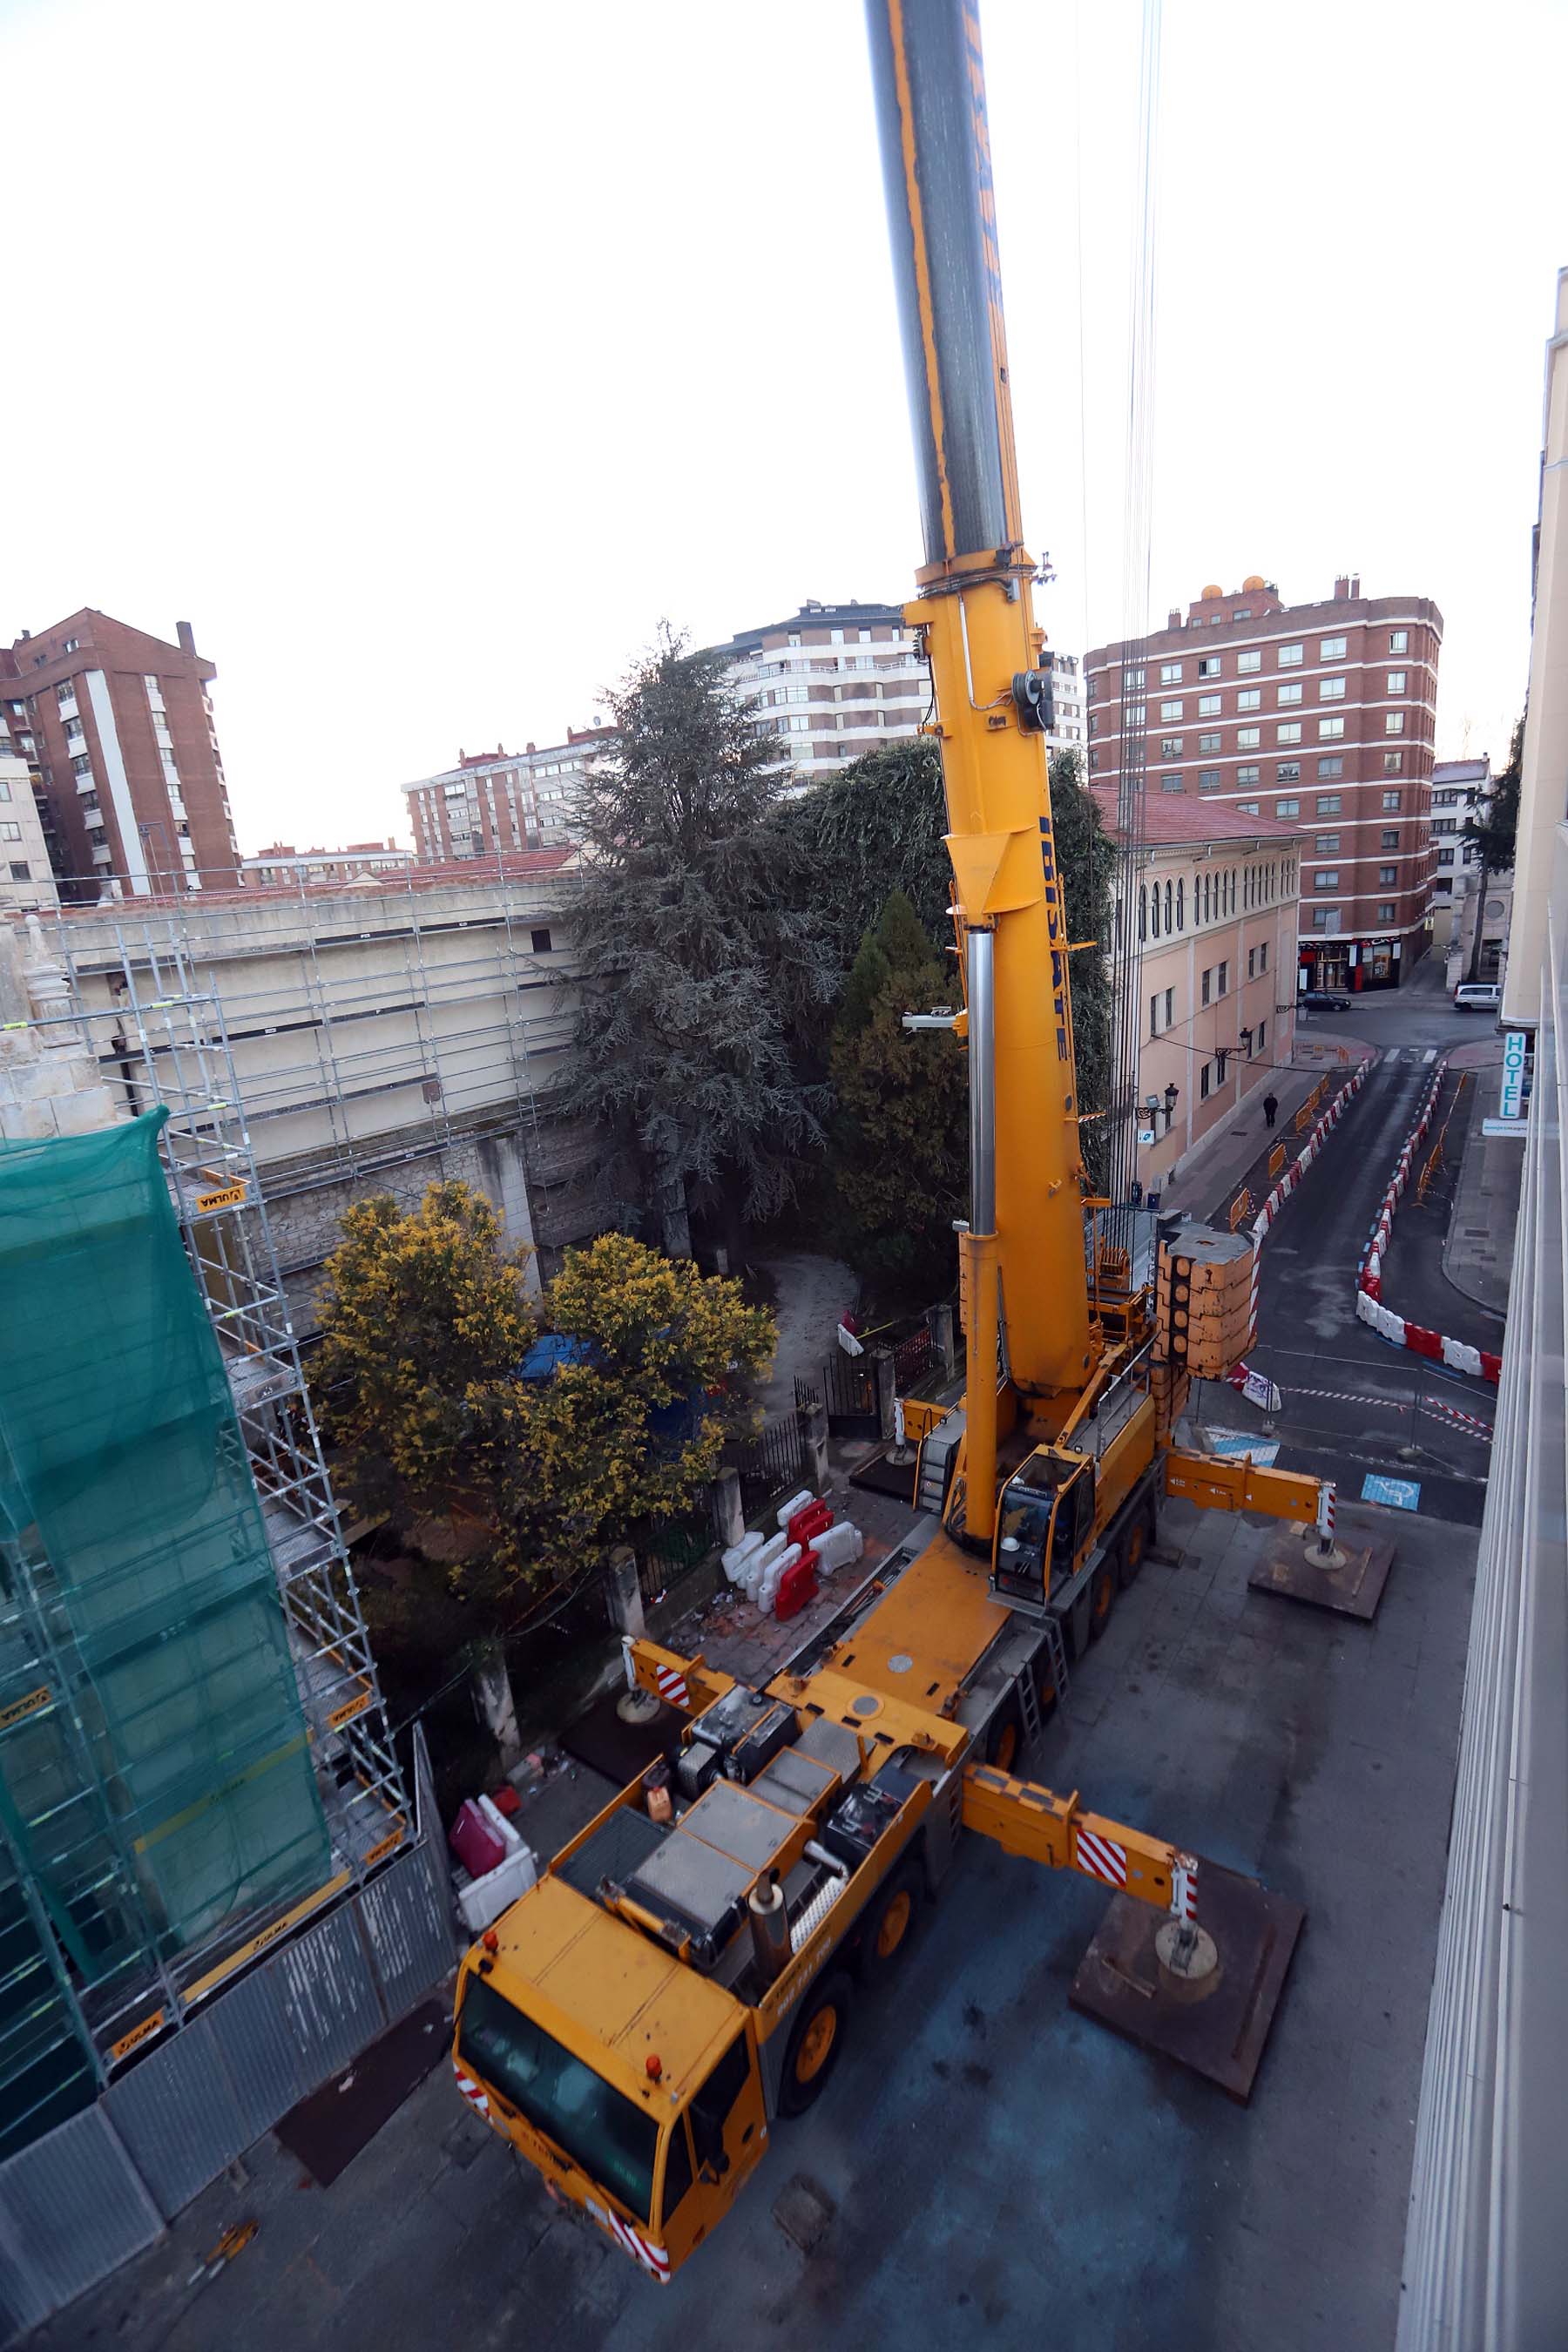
x,y
812,1294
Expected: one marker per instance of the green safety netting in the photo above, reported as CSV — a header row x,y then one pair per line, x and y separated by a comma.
x,y
124,1482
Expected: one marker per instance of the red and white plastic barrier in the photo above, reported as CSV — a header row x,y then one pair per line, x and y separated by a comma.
x,y
1241,1375
1457,1354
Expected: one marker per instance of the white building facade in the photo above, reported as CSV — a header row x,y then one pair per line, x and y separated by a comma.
x,y
497,801
26,879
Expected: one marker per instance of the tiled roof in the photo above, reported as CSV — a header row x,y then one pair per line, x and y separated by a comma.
x,y
1173,818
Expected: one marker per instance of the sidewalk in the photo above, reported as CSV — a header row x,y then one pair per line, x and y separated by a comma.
x,y
1478,1255
1221,1162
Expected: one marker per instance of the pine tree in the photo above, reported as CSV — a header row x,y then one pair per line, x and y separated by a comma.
x,y
899,1165
1086,856
701,956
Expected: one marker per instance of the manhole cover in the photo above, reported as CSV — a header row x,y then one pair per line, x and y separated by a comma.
x,y
802,2210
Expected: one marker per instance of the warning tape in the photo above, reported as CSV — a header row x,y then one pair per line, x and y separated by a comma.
x,y
671,1686
1393,1404
1435,1345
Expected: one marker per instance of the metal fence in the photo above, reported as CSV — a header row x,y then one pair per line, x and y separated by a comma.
x,y
668,1550
769,1463
98,2188
845,1387
914,1359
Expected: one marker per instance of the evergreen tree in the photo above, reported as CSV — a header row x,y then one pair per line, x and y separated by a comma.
x,y
701,956
1494,834
898,1171
1086,856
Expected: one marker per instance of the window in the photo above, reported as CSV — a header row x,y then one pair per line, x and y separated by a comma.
x,y
1207,982
1169,710
1388,875
1326,844
1332,766
1262,966
1393,722
20,873
1290,731
1161,1010
1289,657
1285,694
1250,698
835,636
1155,910
1247,739
1246,808
1181,906
1209,665
1208,742
1289,772
1222,980
10,831
1444,824
1171,748
1325,918
1244,777
540,941
1330,803
1252,963
1248,662
1331,730
1393,765
1331,689
1169,908
1143,910
1395,682
795,636
1132,677
601,2129
865,636
1204,1077
1208,780
1327,878
1386,911
1333,649
1170,674
1242,613
1389,839
1171,784
1287,808
1399,641
1208,706
1445,857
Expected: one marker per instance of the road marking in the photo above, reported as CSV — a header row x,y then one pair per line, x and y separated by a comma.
x,y
1430,1055
1397,1493
1235,1443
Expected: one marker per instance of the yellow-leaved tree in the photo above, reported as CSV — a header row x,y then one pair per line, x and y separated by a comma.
x,y
536,1435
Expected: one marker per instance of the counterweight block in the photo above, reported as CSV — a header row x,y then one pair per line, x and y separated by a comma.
x,y
1205,1998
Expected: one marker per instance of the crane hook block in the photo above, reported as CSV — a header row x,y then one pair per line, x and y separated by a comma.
x,y
1035,700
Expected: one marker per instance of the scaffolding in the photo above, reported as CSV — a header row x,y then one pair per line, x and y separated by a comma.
x,y
93,1969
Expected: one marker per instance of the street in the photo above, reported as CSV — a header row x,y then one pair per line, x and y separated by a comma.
x,y
985,2159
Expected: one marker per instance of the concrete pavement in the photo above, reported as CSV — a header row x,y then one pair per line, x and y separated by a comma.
x,y
1478,1255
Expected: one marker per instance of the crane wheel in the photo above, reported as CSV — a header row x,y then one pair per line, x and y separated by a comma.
x,y
814,2045
1102,1591
890,1926
1004,1739
1134,1546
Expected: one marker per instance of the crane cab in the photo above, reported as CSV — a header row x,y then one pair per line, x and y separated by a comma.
x,y
1044,1521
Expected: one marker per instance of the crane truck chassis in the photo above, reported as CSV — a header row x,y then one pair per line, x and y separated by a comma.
x,y
637,2021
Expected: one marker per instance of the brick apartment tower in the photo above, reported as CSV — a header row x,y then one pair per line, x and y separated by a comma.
x,y
1319,716
117,727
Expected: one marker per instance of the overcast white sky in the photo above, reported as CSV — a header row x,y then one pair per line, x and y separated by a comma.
x,y
424,357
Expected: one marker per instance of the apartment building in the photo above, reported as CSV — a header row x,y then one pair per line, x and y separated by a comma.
x,y
119,725
1319,716
1217,920
1461,790
495,803
27,880
361,861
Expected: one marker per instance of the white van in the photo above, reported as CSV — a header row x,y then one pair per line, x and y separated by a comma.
x,y
1477,996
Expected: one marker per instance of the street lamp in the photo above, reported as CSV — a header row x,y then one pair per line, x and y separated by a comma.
x,y
1171,1093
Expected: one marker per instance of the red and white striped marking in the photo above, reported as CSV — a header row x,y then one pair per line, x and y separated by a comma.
x,y
1100,1857
654,2259
476,2097
1184,1886
1480,1363
671,1686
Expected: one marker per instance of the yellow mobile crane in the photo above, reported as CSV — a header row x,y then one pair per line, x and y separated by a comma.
x,y
635,2023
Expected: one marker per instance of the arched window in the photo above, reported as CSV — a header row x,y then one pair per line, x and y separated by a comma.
x,y
1205,898
1170,905
1181,906
1143,910
1155,912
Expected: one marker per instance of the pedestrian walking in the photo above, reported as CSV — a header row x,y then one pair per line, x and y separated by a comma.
x,y
1270,1108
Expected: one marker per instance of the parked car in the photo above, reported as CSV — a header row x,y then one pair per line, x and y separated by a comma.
x,y
1477,996
1324,1000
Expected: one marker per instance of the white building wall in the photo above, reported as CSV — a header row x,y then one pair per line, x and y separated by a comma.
x,y
22,844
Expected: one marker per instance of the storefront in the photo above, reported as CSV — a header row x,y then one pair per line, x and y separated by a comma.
x,y
1351,965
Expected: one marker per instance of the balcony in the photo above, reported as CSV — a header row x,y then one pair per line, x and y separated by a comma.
x,y
87,784
102,854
